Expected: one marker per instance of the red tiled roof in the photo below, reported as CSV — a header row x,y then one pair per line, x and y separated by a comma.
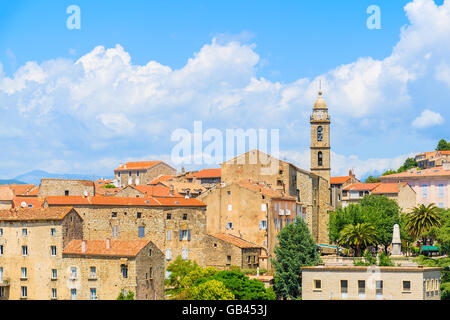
x,y
22,189
34,214
138,165
123,201
235,240
156,191
121,248
445,152
362,186
339,180
264,189
35,202
106,191
430,172
206,173
162,178
387,188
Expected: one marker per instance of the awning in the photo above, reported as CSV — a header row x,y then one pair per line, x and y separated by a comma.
x,y
328,246
430,248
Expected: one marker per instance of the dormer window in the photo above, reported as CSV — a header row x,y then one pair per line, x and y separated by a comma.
x,y
319,133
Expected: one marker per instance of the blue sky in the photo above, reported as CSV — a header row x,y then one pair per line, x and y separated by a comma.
x,y
85,100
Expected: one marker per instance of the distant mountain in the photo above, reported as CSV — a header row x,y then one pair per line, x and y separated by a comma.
x,y
34,177
10,181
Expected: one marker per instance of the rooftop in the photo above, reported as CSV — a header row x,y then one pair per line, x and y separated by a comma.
x,y
235,240
206,173
34,214
364,268
162,178
120,248
388,188
138,165
414,174
362,186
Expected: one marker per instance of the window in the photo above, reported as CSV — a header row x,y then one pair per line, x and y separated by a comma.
x,y
1,249
24,274
2,292
66,193
53,250
115,231
168,254
169,235
263,225
228,260
424,191
73,293
441,205
379,288
93,294
1,232
149,252
317,284
24,232
185,235
275,206
93,272
54,293
1,274
319,158
407,286
184,216
139,215
361,288
319,133
24,251
184,254
441,190
73,273
229,226
344,288
275,222
54,274
141,232
169,216
53,232
24,292
114,215
124,270
230,207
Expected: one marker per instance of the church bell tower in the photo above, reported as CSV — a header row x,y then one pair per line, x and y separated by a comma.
x,y
320,139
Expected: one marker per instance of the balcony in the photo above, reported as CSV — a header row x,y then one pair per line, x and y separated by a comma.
x,y
5,282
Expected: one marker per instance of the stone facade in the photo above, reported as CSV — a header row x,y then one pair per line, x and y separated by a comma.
x,y
337,184
61,187
39,238
370,283
144,275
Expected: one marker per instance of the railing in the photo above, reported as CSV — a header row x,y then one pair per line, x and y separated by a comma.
x,y
5,282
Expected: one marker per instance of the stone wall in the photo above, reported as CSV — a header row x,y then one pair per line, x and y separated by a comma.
x,y
57,187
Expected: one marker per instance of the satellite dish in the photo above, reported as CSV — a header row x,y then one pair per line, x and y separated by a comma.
x,y
23,204
85,193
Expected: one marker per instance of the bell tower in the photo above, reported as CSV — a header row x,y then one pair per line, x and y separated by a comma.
x,y
320,139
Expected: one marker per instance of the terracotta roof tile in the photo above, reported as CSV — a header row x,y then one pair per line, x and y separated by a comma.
x,y
430,172
362,186
387,188
235,240
156,191
339,180
123,201
264,189
34,214
121,248
138,165
162,178
22,189
34,202
206,173
6,194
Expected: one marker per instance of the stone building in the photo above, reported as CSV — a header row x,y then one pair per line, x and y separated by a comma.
x,y
177,226
206,177
6,197
320,139
225,250
337,184
66,187
432,159
31,245
311,191
141,172
101,269
370,283
185,189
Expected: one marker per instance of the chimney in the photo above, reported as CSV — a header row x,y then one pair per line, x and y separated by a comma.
x,y
350,173
182,170
83,246
108,244
171,190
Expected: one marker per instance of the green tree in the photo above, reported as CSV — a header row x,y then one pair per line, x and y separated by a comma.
x,y
122,296
342,217
295,249
358,236
384,260
390,171
443,145
382,213
443,234
179,269
408,164
422,219
372,179
211,290
369,259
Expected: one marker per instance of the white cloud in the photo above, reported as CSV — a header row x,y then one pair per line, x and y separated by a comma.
x,y
428,118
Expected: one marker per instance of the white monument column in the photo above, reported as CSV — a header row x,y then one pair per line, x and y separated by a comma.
x,y
396,242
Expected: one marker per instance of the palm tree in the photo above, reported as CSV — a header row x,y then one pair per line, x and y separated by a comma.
x,y
422,219
358,236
